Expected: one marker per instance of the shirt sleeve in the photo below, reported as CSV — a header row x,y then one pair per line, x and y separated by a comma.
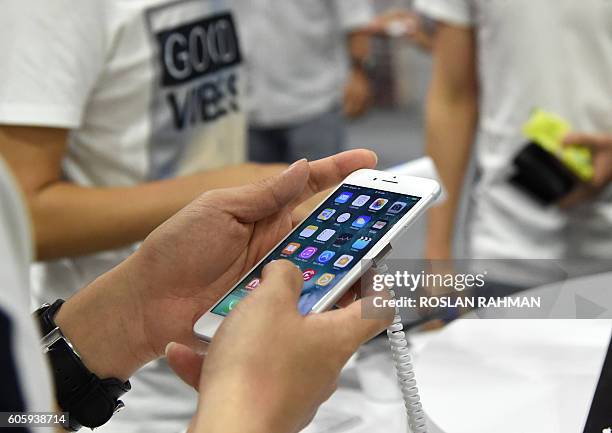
x,y
353,14
458,12
52,53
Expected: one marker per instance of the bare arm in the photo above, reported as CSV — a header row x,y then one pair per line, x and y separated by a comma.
x,y
357,93
359,45
451,118
72,220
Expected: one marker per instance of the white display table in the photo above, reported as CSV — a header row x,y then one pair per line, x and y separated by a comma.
x,y
502,375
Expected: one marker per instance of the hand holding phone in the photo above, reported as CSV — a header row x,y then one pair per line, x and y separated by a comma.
x,y
278,383
185,265
337,243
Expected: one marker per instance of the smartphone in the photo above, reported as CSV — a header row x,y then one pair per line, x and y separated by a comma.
x,y
336,244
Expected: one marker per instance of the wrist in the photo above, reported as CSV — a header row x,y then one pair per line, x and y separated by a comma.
x,y
240,405
362,65
359,69
103,322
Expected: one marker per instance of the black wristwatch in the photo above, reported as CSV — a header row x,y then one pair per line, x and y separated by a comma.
x,y
89,400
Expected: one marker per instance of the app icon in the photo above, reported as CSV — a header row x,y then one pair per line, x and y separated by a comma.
x,y
291,248
380,224
326,235
378,204
361,200
397,207
342,239
326,214
343,197
253,284
361,221
343,218
309,231
309,274
228,304
326,256
307,253
343,261
231,304
361,243
325,279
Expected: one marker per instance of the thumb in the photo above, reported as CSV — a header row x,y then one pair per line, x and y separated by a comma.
x,y
282,281
253,202
186,363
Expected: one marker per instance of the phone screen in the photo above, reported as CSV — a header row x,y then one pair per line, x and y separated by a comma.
x,y
330,242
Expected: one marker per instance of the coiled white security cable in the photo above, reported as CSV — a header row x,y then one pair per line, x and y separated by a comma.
x,y
405,374
404,368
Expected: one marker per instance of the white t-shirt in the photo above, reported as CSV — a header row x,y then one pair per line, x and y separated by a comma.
x,y
25,380
297,55
551,54
150,89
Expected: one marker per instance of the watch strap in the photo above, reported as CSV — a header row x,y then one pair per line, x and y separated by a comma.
x,y
90,401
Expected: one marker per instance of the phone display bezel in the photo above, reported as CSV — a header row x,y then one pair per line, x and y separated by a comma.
x,y
426,189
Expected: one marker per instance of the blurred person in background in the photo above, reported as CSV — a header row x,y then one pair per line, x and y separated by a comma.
x,y
415,27
113,116
306,63
494,62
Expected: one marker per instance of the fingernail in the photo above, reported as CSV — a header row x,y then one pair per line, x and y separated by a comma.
x,y
264,271
294,164
375,156
168,347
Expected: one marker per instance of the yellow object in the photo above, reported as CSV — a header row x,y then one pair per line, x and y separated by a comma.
x,y
548,130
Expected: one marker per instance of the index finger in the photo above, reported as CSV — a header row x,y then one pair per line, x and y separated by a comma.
x,y
328,172
282,280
